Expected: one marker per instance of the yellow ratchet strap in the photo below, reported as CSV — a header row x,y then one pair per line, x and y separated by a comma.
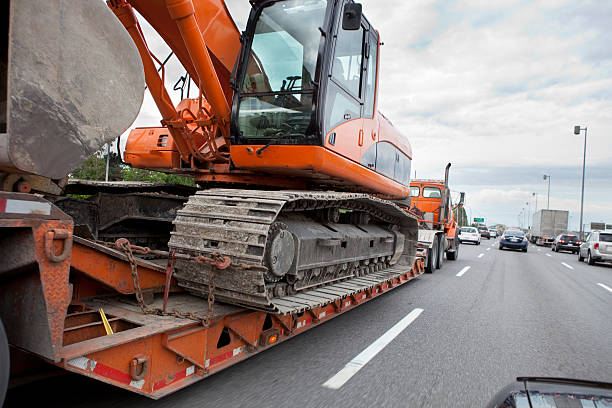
x,y
107,326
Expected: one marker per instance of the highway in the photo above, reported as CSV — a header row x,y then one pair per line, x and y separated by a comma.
x,y
453,338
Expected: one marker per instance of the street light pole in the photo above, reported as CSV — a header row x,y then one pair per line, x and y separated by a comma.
x,y
528,214
577,130
547,177
536,198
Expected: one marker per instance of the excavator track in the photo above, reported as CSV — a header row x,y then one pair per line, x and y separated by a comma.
x,y
291,250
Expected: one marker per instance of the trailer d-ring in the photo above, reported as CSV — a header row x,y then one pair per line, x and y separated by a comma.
x,y
59,234
139,367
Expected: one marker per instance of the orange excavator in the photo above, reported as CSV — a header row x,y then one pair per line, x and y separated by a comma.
x,y
291,103
302,206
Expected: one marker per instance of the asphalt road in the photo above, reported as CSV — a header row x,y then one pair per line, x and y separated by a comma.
x,y
510,314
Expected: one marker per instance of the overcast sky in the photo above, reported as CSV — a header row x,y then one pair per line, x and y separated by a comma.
x,y
495,88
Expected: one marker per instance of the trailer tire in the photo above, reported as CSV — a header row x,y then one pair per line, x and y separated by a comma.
x,y
453,254
432,258
5,360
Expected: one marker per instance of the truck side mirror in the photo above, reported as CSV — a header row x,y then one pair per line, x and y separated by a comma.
x,y
351,16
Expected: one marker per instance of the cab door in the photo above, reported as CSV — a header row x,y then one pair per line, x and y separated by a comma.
x,y
370,125
344,98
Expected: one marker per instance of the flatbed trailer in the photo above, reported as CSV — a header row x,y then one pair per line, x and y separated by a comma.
x,y
71,302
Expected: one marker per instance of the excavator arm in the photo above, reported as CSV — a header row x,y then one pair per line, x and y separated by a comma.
x,y
206,41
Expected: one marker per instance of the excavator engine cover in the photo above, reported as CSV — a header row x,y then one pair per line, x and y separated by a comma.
x,y
71,80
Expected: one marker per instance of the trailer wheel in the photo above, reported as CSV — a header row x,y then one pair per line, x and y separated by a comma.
x,y
432,258
453,254
440,252
4,363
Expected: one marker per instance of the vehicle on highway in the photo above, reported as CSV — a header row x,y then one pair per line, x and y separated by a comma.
x,y
513,239
493,232
469,234
566,242
547,224
431,203
597,247
547,392
484,232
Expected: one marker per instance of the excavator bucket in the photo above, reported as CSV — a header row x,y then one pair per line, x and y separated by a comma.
x,y
71,80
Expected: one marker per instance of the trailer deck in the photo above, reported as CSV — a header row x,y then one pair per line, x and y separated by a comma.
x,y
156,355
81,312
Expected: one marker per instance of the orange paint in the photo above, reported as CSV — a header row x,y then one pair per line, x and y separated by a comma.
x,y
317,163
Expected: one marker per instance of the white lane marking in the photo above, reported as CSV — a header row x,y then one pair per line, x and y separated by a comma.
x,y
549,255
492,244
481,255
609,289
356,364
464,270
488,249
566,265
539,249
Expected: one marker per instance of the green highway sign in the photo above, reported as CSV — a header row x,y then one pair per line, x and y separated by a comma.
x,y
478,219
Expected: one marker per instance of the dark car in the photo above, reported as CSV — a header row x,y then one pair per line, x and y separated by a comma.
x,y
513,239
566,242
484,232
545,392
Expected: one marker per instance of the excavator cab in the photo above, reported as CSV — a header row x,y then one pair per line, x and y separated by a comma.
x,y
305,99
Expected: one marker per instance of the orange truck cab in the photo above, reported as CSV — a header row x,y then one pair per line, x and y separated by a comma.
x,y
430,200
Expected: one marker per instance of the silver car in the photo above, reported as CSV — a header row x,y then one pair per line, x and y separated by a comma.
x,y
597,247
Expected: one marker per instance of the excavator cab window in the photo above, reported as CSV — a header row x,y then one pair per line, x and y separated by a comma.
x,y
371,52
348,56
345,90
276,97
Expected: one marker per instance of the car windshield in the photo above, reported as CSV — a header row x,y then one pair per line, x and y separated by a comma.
x,y
514,233
468,229
605,237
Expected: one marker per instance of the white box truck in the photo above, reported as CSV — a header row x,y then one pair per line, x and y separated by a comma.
x,y
547,224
